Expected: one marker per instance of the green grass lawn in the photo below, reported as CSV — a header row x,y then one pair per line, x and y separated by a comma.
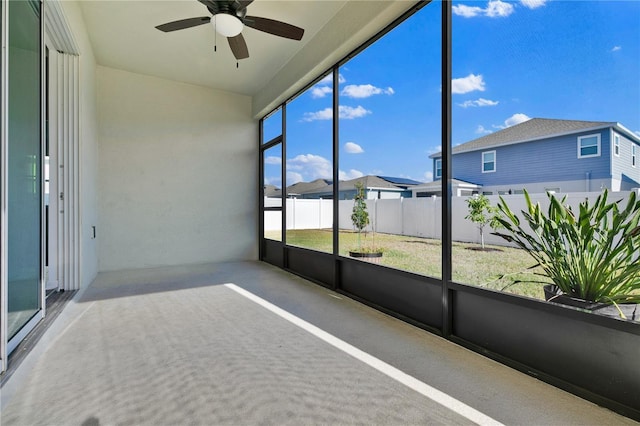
x,y
423,256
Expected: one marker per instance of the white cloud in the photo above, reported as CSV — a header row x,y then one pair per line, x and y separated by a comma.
x,y
467,84
364,91
533,4
494,9
273,160
349,113
329,79
351,174
434,149
481,102
320,91
345,112
516,119
293,177
275,181
353,148
324,114
497,8
308,167
616,48
481,130
467,11
428,176
513,120
325,86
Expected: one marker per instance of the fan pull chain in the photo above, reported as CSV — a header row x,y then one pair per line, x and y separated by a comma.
x,y
237,64
215,35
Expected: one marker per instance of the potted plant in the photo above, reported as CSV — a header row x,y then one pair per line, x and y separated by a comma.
x,y
360,220
591,256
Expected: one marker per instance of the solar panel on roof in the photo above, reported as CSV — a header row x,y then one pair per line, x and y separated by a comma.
x,y
400,181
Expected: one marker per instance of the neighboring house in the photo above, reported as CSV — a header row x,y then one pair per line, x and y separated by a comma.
x,y
459,188
375,187
548,155
272,191
298,190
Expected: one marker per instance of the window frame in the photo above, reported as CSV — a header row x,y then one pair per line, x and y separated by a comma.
x,y
616,145
495,161
597,145
633,155
437,175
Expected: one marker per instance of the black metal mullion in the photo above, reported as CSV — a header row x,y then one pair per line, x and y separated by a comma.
x,y
284,186
336,176
261,190
446,169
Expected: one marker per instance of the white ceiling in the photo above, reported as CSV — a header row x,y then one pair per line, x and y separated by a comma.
x,y
123,36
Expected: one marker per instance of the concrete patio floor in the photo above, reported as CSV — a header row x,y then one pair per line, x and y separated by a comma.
x,y
247,343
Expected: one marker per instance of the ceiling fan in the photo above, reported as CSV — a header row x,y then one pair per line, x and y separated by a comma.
x,y
229,17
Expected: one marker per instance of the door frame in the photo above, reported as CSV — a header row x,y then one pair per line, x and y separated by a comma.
x,y
8,345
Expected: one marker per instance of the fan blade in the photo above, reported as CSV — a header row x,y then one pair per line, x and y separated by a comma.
x,y
183,23
238,47
274,27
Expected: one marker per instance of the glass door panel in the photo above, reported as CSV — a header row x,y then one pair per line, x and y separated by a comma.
x,y
24,166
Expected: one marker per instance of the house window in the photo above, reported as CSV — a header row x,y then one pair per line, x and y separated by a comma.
x,y
488,162
633,155
438,168
616,145
589,146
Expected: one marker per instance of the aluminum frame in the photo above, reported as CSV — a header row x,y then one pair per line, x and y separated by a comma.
x,y
488,322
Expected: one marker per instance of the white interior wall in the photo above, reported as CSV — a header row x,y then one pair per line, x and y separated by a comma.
x,y
88,144
177,173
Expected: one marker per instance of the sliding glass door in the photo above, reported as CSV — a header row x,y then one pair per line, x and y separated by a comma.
x,y
24,168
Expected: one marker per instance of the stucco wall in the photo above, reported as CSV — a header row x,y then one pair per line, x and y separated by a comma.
x,y
177,173
88,144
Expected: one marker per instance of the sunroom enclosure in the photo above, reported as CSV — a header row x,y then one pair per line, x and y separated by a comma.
x,y
443,282
159,164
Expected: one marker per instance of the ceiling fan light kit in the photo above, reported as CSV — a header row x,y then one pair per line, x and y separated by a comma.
x,y
229,17
227,25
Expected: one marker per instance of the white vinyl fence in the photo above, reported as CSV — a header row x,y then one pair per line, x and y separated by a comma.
x,y
417,217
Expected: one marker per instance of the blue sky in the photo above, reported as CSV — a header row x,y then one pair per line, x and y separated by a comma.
x,y
512,61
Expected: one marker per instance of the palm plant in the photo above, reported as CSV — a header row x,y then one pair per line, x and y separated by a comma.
x,y
591,255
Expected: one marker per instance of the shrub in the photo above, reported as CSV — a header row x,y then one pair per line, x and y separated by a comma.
x,y
359,214
482,213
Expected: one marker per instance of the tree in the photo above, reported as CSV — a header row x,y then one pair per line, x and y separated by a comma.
x,y
482,213
360,215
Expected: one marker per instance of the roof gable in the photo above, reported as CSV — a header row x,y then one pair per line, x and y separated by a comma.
x,y
534,129
306,187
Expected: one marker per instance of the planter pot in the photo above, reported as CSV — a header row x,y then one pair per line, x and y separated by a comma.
x,y
367,257
630,310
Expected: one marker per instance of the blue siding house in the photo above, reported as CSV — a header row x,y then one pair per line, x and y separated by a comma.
x,y
549,155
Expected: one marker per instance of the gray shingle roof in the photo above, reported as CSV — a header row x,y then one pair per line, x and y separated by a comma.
x,y
368,181
536,128
272,191
306,187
